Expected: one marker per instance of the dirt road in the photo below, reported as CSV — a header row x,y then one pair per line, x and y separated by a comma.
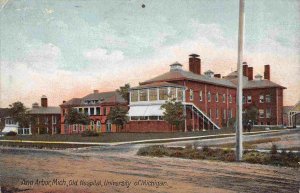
x,y
118,169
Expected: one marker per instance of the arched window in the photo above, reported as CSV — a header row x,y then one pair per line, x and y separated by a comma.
x,y
92,125
99,126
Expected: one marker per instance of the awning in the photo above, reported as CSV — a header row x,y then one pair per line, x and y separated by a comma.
x,y
9,129
146,110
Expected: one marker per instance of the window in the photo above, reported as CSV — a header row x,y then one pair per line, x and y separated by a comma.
x,y
208,96
92,125
200,95
46,120
153,117
261,113
134,118
172,93
261,98
224,98
144,118
98,111
53,119
99,126
217,113
217,97
230,113
268,113
191,94
230,99
160,118
134,96
80,110
268,98
104,110
163,93
153,94
244,98
86,111
92,111
249,99
209,113
261,123
224,114
144,95
179,94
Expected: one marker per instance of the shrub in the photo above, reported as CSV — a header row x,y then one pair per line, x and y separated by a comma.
x,y
89,134
230,157
273,149
11,133
155,150
254,157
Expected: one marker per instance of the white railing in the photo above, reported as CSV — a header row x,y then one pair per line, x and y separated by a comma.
x,y
203,114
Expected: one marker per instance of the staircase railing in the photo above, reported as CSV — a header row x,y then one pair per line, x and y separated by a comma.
x,y
203,114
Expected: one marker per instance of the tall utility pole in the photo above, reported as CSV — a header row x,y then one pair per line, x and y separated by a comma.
x,y
239,125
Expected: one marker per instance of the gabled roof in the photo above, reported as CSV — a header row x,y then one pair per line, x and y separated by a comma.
x,y
156,85
296,107
101,98
187,75
44,110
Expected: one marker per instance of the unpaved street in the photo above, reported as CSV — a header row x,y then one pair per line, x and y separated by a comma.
x,y
118,169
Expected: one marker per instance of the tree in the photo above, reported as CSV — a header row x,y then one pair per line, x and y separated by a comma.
x,y
251,114
124,91
118,116
75,117
174,113
19,113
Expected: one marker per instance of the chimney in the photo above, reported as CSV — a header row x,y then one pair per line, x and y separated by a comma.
x,y
195,64
245,69
44,101
267,72
217,75
250,73
96,91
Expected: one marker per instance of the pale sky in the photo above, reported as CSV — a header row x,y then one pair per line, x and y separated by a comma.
x,y
65,49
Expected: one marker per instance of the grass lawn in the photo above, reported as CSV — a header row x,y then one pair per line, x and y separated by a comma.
x,y
287,159
119,137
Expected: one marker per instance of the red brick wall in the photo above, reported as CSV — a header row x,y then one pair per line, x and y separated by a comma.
x,y
148,126
204,105
42,125
276,104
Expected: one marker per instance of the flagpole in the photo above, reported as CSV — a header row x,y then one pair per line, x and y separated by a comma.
x,y
239,125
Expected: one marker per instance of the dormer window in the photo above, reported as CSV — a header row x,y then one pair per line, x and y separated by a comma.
x,y
209,73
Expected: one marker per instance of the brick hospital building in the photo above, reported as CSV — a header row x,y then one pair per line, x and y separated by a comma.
x,y
209,99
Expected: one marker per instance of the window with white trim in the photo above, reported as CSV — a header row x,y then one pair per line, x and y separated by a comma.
x,y
268,98
261,98
200,95
191,95
268,113
208,96
217,113
224,98
261,113
217,97
249,99
134,96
